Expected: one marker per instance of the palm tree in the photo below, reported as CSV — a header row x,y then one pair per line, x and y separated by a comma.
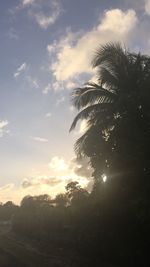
x,y
116,109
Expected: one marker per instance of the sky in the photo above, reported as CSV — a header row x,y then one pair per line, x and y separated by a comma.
x,y
46,50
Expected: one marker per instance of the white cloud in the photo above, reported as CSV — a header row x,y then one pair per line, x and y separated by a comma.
x,y
45,13
57,86
70,60
74,168
51,48
60,100
37,184
27,2
58,164
147,6
12,34
39,139
3,124
6,187
45,21
20,70
41,180
3,127
61,85
74,51
81,167
118,21
32,82
47,88
72,108
48,115
32,185
6,192
69,84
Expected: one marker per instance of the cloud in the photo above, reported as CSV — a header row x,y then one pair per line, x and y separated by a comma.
x,y
20,70
118,21
3,127
12,34
45,21
72,170
56,86
60,85
32,185
32,82
6,187
58,164
75,168
72,108
39,139
47,88
60,100
45,13
81,167
147,7
3,124
52,184
48,115
69,84
27,2
37,185
39,181
51,48
72,54
6,192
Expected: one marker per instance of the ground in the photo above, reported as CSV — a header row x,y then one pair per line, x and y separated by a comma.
x,y
18,252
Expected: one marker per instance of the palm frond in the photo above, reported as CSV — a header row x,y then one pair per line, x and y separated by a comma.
x,y
91,96
79,146
88,111
82,144
82,97
89,142
108,54
108,78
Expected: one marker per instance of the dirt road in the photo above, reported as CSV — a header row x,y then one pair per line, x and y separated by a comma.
x,y
15,253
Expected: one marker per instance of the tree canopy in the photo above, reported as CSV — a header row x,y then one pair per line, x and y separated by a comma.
x,y
117,112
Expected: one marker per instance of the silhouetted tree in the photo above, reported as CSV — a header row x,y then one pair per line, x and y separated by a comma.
x,y
76,194
61,200
117,112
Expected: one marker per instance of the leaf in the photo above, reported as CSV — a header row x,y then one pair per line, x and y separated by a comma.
x,y
88,111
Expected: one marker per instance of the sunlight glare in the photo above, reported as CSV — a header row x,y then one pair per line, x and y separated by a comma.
x,y
104,177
